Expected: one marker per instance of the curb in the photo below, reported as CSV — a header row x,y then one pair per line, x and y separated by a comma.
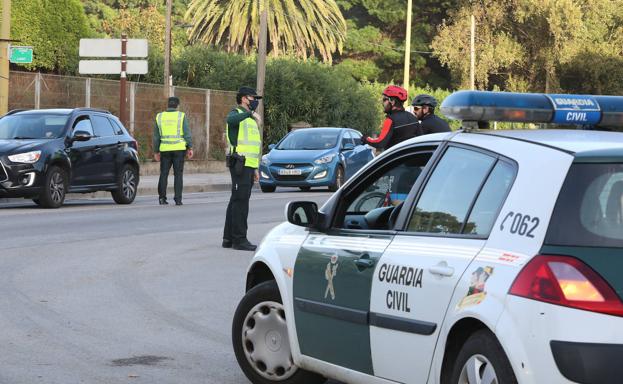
x,y
144,191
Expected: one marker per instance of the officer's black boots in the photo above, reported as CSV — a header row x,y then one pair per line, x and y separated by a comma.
x,y
163,201
244,247
227,243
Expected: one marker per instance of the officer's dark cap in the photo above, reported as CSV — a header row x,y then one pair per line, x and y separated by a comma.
x,y
248,91
173,102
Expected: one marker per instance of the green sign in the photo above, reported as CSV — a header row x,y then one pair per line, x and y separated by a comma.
x,y
21,55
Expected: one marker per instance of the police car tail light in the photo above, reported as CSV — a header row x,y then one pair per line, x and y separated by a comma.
x,y
566,281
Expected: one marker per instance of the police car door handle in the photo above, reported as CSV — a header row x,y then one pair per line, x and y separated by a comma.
x,y
442,269
364,262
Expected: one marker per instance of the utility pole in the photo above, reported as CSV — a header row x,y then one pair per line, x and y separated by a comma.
x,y
472,54
261,55
5,37
167,51
407,46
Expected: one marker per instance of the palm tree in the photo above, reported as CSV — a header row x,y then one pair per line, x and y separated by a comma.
x,y
301,27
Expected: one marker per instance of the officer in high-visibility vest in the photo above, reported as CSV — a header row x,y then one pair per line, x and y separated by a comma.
x,y
243,136
172,142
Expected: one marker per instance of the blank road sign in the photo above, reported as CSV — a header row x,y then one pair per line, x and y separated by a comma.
x,y
112,67
112,48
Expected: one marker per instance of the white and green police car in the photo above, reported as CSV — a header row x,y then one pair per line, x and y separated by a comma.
x,y
467,257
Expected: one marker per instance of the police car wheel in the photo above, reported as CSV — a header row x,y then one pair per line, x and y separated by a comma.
x,y
482,360
260,338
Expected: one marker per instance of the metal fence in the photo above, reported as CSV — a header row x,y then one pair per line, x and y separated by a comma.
x,y
205,109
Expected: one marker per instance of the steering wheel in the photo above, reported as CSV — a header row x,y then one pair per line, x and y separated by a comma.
x,y
391,222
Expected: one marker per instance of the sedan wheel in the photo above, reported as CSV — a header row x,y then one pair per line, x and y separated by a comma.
x,y
339,179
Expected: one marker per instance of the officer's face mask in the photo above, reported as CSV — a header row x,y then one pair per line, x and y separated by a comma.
x,y
253,104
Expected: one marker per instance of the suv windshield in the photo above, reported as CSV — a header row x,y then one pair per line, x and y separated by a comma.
x,y
310,138
32,126
589,210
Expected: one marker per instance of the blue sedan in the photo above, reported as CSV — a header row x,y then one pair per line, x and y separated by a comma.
x,y
314,157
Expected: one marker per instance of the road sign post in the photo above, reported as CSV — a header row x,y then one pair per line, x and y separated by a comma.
x,y
120,49
122,101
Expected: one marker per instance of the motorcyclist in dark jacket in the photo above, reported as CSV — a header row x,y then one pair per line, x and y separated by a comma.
x,y
399,125
424,109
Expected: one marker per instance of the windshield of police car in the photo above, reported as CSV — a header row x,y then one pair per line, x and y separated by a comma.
x,y
310,139
32,126
589,210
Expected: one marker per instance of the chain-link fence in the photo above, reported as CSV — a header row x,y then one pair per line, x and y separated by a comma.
x,y
205,109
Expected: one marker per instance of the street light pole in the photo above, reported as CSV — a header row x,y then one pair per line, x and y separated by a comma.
x,y
472,54
5,36
261,54
167,50
407,46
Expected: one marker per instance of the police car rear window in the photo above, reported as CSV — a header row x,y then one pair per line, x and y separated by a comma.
x,y
589,210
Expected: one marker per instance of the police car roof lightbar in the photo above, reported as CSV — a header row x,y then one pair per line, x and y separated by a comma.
x,y
534,108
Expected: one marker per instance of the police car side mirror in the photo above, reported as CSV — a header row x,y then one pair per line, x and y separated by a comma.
x,y
271,146
302,213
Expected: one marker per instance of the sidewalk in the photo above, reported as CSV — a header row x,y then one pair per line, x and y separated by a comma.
x,y
148,186
193,182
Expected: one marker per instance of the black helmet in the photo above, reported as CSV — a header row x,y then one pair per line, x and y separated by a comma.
x,y
421,100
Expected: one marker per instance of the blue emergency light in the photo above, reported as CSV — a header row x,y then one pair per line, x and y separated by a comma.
x,y
534,108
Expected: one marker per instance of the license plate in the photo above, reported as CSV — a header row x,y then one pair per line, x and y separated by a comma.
x,y
290,172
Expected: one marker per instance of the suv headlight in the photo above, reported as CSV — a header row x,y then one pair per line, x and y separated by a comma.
x,y
265,160
325,159
28,157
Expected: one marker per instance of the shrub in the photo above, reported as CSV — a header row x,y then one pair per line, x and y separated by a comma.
x,y
295,90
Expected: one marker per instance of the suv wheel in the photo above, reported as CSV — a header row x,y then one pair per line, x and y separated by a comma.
x,y
261,342
54,188
482,360
127,182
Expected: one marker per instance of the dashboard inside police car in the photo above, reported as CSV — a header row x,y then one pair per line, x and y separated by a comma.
x,y
374,202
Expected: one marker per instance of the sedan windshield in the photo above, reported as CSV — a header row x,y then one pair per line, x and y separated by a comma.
x,y
32,126
310,138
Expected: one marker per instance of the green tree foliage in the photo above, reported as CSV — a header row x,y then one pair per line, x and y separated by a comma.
x,y
376,34
302,28
45,26
295,90
537,45
141,19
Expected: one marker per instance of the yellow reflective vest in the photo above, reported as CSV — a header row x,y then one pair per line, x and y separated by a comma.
x,y
171,127
249,141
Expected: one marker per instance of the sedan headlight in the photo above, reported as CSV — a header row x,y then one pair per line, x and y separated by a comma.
x,y
28,157
325,159
265,160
